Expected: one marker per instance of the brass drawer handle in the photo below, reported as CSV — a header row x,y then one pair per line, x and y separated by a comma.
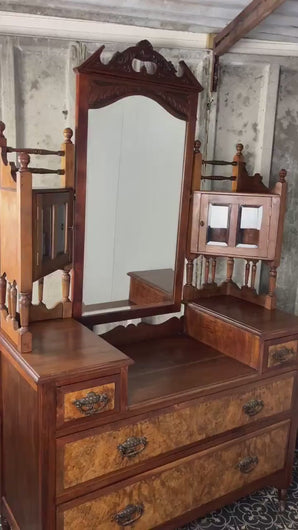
x,y
132,446
129,515
253,407
247,464
92,403
283,354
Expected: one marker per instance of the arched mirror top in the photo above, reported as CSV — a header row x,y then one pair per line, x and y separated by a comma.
x,y
143,71
134,164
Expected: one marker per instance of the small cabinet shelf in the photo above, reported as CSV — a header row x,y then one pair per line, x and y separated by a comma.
x,y
237,225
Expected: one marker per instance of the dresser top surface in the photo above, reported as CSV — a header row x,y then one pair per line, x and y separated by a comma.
x,y
251,316
66,347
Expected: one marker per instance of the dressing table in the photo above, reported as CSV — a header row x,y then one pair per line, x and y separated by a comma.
x,y
148,425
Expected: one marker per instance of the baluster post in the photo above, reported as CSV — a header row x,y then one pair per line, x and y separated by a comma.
x,y
40,291
272,280
25,302
253,273
247,273
13,300
230,269
213,265
207,268
3,283
9,286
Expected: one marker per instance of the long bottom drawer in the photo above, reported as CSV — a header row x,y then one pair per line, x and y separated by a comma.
x,y
169,491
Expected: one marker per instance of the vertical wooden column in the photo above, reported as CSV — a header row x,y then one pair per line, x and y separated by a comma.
x,y
197,167
67,305
207,270
253,274
239,158
272,280
230,270
67,161
247,273
3,283
213,266
40,291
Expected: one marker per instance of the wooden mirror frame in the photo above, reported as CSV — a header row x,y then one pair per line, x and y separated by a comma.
x,y
99,85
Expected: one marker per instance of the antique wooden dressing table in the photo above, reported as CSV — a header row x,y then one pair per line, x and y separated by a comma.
x,y
147,426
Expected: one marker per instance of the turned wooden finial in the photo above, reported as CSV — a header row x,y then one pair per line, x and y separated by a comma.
x,y
2,129
239,149
282,175
68,135
24,160
197,145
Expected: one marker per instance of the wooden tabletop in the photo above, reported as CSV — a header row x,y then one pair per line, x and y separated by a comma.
x,y
255,318
66,347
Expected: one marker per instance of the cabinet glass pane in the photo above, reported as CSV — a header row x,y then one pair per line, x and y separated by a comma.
x,y
60,226
47,232
218,225
249,226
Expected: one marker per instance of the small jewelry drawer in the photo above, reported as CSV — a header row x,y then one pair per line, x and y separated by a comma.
x,y
167,492
101,451
281,352
87,399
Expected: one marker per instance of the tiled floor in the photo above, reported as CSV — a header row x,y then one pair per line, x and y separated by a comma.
x,y
259,511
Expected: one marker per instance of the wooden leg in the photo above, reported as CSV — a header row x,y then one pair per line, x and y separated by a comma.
x,y
282,496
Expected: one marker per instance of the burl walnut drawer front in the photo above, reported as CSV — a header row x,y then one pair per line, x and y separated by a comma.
x,y
83,457
88,399
278,353
169,491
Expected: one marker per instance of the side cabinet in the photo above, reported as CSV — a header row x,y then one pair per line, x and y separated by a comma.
x,y
242,225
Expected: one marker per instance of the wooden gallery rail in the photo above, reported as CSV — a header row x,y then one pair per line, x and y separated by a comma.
x,y
35,238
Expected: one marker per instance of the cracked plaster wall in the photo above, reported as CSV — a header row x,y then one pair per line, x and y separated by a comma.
x,y
38,100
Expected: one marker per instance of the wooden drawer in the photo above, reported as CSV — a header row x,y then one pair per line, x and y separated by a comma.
x,y
167,492
281,352
88,399
98,452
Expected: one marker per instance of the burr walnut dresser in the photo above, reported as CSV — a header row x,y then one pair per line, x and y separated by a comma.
x,y
145,425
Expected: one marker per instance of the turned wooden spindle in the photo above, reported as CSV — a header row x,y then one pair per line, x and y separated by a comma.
x,y
189,271
2,137
247,272
13,298
207,268
253,273
272,280
213,269
282,175
40,291
3,283
68,133
65,286
230,269
9,285
24,303
238,157
24,160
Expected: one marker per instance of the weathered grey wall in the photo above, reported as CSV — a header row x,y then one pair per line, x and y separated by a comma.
x,y
38,100
256,104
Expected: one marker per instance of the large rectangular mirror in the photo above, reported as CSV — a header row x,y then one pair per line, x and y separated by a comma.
x,y
134,174
136,118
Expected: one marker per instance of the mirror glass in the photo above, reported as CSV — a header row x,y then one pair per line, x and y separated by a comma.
x,y
218,225
134,174
250,225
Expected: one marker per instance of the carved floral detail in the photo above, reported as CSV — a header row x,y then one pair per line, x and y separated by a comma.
x,y
124,63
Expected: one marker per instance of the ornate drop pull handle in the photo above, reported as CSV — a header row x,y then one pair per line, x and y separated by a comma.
x,y
129,515
283,354
92,403
247,464
132,446
253,407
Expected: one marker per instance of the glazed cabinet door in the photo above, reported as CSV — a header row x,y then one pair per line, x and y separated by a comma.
x,y
239,225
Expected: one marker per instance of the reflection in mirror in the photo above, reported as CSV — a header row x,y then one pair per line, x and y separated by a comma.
x,y
218,225
134,173
249,227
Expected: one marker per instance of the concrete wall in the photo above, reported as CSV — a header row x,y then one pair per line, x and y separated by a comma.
x,y
256,104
